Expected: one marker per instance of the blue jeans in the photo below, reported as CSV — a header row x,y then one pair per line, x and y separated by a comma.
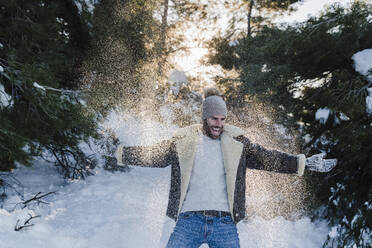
x,y
193,230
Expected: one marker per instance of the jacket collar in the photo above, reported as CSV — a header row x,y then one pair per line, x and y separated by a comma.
x,y
196,129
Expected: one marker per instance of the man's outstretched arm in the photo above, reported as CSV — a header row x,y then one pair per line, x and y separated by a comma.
x,y
159,155
261,158
258,157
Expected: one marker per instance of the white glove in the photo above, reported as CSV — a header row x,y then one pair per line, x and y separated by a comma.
x,y
317,163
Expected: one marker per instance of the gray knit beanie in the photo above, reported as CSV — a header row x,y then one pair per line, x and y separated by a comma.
x,y
213,104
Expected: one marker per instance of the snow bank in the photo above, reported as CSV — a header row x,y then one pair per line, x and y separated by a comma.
x,y
279,233
128,210
106,210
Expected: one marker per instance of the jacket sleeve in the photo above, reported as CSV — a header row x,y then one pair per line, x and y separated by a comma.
x,y
159,155
258,157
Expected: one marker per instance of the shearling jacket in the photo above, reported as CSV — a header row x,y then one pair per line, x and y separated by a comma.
x,y
238,154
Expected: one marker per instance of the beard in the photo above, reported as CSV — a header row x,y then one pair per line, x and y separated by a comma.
x,y
207,130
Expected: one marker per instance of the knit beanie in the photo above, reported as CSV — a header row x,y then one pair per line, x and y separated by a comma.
x,y
213,104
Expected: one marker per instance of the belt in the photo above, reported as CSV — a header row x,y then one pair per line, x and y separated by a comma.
x,y
211,213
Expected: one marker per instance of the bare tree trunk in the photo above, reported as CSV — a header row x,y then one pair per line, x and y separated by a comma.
x,y
163,36
163,31
249,15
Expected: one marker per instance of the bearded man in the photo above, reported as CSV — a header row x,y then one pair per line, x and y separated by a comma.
x,y
209,162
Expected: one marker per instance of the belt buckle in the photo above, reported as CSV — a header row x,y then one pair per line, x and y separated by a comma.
x,y
206,213
212,213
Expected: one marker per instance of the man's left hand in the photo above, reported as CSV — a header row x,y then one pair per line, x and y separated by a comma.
x,y
319,164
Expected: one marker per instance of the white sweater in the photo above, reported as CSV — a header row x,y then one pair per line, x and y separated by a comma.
x,y
207,187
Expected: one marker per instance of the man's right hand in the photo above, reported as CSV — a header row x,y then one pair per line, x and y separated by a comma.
x,y
319,164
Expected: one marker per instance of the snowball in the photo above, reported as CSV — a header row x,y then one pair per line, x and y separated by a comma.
x,y
322,115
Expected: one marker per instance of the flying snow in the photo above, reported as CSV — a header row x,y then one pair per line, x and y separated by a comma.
x,y
123,209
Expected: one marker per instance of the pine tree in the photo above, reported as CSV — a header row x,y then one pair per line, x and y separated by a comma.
x,y
301,69
42,45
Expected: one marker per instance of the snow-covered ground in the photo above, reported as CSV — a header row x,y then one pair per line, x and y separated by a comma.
x,y
119,210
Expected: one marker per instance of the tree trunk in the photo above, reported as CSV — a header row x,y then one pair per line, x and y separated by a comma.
x,y
249,15
163,36
163,31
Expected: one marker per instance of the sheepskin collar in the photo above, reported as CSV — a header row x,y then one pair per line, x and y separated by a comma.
x,y
196,129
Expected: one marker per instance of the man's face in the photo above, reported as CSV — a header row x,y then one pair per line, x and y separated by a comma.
x,y
214,126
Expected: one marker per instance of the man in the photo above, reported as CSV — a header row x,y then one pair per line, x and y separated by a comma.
x,y
209,161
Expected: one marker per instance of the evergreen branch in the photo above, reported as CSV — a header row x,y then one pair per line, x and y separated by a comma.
x,y
11,133
316,27
13,62
323,22
12,186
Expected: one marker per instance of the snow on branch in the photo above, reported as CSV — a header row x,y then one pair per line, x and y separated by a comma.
x,y
44,88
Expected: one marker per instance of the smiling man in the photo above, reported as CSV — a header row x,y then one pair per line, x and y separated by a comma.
x,y
209,162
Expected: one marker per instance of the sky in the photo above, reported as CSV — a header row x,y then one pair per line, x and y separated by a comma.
x,y
310,7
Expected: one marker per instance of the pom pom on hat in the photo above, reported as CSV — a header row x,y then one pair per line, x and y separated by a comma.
x,y
211,92
213,104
